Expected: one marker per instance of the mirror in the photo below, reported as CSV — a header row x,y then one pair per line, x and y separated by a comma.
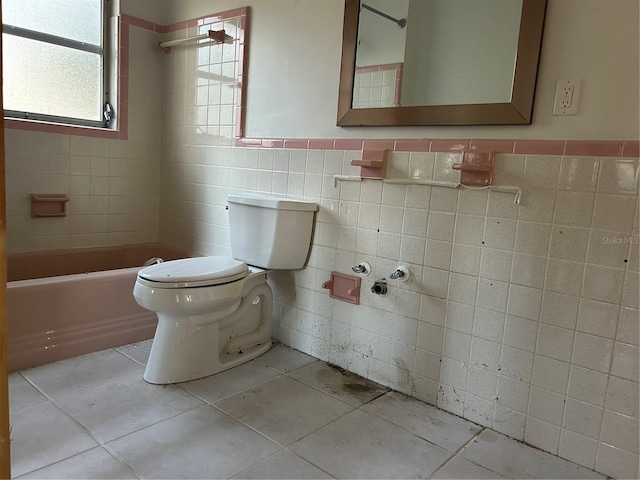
x,y
444,66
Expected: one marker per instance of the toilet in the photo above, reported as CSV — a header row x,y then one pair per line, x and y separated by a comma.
x,y
214,313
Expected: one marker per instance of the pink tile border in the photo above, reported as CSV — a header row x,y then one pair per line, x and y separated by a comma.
x,y
539,147
448,145
321,143
498,146
413,145
631,149
397,94
597,148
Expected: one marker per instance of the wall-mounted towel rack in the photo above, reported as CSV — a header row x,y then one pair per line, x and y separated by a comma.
x,y
517,191
217,36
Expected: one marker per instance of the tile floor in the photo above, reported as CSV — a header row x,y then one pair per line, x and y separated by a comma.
x,y
282,415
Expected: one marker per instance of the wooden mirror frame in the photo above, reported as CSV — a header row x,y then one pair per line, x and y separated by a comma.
x,y
517,112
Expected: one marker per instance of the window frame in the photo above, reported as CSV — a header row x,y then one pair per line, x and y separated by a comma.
x,y
102,50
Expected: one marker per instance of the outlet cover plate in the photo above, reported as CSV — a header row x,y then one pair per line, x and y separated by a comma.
x,y
567,97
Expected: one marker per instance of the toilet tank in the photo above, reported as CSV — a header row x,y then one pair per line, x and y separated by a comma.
x,y
270,232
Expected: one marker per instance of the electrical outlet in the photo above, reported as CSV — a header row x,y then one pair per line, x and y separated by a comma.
x,y
567,96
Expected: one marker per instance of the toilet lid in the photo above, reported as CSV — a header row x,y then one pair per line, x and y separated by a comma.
x,y
198,271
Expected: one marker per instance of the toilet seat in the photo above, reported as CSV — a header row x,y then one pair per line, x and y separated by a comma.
x,y
193,272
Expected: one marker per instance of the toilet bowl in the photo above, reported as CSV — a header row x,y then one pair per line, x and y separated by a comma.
x,y
215,313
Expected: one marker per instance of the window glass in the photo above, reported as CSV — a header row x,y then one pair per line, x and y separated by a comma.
x,y
53,60
55,81
79,20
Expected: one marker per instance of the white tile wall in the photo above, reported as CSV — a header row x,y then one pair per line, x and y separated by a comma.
x,y
514,317
113,185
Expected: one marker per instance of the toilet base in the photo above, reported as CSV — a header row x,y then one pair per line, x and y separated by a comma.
x,y
155,377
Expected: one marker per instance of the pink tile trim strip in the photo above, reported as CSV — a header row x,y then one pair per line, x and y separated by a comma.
x,y
269,143
539,147
296,143
629,148
498,146
413,145
370,144
348,144
243,70
448,145
595,148
321,143
397,94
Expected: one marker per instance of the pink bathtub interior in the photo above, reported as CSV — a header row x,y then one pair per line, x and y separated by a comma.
x,y
64,303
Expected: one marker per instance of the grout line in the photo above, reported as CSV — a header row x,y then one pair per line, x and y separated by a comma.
x,y
455,454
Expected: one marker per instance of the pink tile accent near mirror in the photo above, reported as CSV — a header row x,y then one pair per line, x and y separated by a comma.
x,y
598,148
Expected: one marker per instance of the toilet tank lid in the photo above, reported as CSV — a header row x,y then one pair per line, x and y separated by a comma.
x,y
194,270
267,201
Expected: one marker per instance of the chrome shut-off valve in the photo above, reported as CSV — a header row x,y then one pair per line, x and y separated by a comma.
x,y
402,273
362,269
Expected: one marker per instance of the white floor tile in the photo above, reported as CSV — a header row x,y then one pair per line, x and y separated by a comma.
x,y
512,459
283,465
41,435
123,406
439,427
230,382
360,445
458,468
202,443
74,374
339,383
284,409
335,423
22,394
93,464
138,351
284,359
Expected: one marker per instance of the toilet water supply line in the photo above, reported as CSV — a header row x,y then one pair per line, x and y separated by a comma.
x,y
251,338
517,191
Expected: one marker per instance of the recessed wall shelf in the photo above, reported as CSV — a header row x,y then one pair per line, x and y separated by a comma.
x,y
344,287
49,205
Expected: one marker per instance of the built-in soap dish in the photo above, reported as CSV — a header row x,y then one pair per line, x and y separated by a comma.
x,y
48,205
344,287
476,169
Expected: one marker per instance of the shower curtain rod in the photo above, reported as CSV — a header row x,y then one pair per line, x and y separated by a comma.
x,y
217,36
401,23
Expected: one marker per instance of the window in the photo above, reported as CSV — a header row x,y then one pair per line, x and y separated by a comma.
x,y
54,60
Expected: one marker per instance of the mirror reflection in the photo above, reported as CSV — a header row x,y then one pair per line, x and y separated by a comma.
x,y
435,52
427,84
